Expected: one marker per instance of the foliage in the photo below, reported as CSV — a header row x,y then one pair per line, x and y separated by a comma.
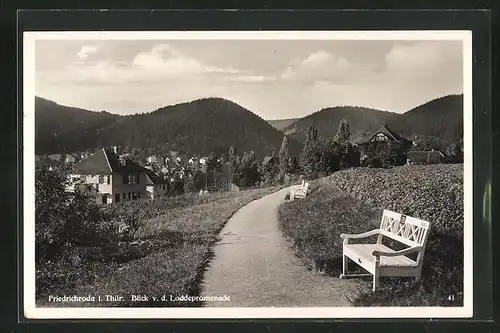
x,y
321,157
65,219
428,143
343,135
455,151
249,170
385,155
284,159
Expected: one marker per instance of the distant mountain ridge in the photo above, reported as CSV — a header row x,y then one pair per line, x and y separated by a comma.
x,y
280,124
198,127
214,124
327,121
440,118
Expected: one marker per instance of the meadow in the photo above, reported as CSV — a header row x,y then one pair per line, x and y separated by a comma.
x,y
166,255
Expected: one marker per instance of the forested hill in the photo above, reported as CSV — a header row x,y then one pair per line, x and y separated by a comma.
x,y
441,118
327,121
198,127
61,128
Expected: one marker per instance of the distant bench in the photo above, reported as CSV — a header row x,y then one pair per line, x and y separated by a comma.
x,y
380,260
299,191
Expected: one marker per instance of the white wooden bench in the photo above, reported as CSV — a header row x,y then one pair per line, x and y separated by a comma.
x,y
380,260
300,191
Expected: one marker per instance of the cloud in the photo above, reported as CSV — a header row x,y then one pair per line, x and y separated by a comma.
x,y
85,50
253,78
166,59
424,59
319,65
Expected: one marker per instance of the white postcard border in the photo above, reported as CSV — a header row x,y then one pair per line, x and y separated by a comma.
x,y
32,312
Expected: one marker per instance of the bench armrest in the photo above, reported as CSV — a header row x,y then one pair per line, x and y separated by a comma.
x,y
363,235
397,253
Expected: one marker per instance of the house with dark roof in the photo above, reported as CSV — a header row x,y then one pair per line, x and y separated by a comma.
x,y
112,177
382,135
156,184
425,157
369,142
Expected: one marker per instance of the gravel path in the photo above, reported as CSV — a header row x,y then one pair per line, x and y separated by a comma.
x,y
254,265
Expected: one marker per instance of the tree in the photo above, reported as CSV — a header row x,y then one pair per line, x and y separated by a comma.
x,y
233,165
309,154
64,219
284,158
343,135
250,174
455,151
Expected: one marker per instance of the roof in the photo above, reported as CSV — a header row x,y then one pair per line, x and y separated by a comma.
x,y
55,157
154,178
384,129
424,155
268,159
104,161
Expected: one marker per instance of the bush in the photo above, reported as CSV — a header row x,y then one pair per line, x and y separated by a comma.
x,y
385,155
64,219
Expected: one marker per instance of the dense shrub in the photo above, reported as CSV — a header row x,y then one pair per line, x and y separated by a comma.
x,y
385,155
430,192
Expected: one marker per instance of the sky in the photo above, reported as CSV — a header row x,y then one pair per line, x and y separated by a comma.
x,y
275,79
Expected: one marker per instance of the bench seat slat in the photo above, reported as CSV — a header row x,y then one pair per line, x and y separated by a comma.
x,y
365,251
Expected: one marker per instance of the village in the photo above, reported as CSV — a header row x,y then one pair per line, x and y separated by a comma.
x,y
114,176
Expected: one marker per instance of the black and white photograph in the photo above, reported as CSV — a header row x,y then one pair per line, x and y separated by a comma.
x,y
256,174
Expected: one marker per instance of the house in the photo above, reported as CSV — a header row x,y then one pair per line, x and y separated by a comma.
x,y
110,176
270,160
56,157
425,157
70,158
152,159
382,135
156,185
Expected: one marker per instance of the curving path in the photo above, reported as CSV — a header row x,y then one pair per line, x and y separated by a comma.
x,y
254,265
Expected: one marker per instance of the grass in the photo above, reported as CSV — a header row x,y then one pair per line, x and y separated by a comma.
x,y
352,201
167,257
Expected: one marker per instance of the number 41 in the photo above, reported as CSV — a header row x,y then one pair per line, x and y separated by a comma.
x,y
451,298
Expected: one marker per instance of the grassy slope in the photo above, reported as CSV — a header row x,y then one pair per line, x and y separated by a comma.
x,y
171,252
351,201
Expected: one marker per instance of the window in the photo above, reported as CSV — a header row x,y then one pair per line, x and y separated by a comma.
x,y
101,179
134,195
380,137
139,195
108,179
131,178
130,195
163,187
124,196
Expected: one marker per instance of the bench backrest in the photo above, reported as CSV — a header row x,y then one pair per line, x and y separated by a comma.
x,y
405,229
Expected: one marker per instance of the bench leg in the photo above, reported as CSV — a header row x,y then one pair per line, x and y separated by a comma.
x,y
418,275
344,265
376,275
